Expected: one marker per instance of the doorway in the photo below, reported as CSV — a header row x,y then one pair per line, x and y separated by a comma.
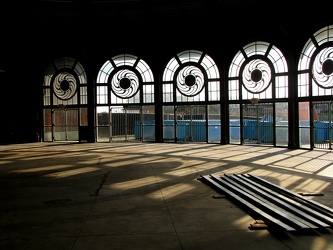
x,y
258,123
126,123
65,125
322,124
185,123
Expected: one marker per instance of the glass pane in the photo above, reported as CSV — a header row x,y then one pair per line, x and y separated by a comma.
x,y
59,117
103,134
210,67
234,124
148,123
84,117
145,71
168,124
214,123
322,116
304,124
47,96
133,122
72,133
214,91
60,133
103,118
83,95
47,117
47,134
167,93
191,123
281,129
281,87
72,117
258,123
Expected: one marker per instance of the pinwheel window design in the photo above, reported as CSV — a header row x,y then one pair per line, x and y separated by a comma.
x,y
190,80
258,71
256,76
125,83
65,83
122,79
189,76
315,66
322,69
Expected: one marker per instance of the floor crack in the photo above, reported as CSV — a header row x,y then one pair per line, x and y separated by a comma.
x,y
96,193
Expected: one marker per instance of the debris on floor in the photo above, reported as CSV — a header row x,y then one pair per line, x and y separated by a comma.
x,y
258,224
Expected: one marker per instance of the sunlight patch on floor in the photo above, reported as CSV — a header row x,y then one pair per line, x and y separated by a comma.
x,y
42,169
72,172
174,190
321,243
137,183
312,185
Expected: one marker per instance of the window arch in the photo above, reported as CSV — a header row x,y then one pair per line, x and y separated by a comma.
x,y
315,90
258,95
65,101
191,76
65,83
191,98
315,66
259,70
125,100
125,79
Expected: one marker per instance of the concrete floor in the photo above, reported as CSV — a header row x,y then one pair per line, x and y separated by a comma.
x,y
148,196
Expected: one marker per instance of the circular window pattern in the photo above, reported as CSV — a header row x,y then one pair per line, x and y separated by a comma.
x,y
64,86
190,81
256,76
322,70
125,83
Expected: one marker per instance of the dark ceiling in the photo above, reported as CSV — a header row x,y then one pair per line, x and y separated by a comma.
x,y
44,25
185,10
233,16
135,9
226,16
35,32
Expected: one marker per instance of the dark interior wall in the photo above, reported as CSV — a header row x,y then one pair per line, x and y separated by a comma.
x,y
30,42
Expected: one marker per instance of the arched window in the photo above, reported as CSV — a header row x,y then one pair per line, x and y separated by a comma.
x,y
191,98
125,100
315,66
125,79
315,90
258,95
191,76
65,100
259,70
65,83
